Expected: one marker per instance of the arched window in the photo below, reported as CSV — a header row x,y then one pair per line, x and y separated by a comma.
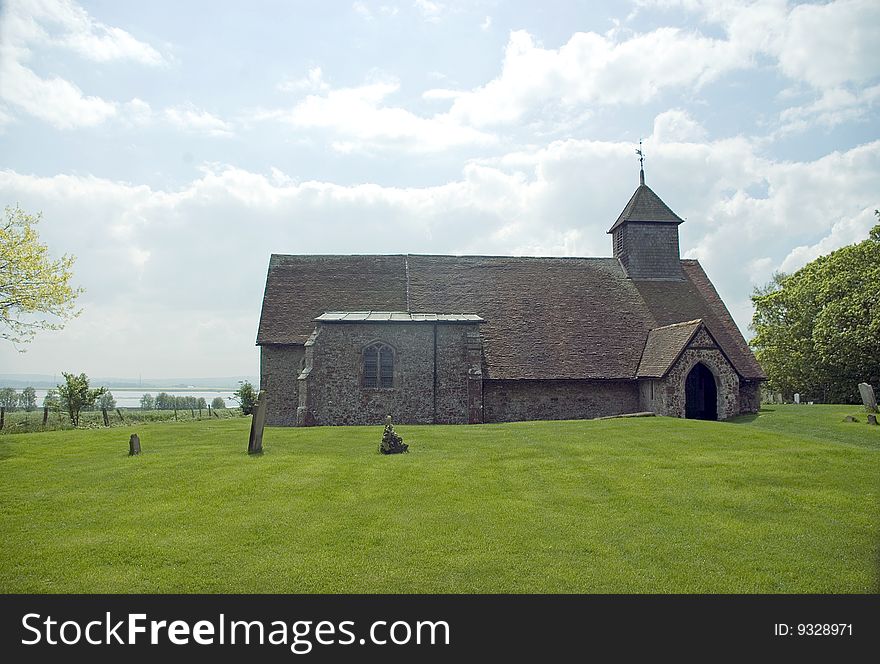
x,y
378,366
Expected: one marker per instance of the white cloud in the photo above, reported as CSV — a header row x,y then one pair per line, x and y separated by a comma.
x,y
486,24
834,107
360,119
313,81
743,211
431,11
677,126
54,100
594,68
61,24
65,24
189,118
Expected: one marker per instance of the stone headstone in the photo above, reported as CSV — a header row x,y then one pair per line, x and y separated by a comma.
x,y
258,422
797,397
849,418
868,397
872,419
134,445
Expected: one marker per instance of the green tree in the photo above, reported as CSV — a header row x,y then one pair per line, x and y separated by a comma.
x,y
148,402
34,289
246,396
107,400
201,403
75,395
28,399
9,399
51,400
817,331
218,403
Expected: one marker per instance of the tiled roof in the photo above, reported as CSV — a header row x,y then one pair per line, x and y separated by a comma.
x,y
544,318
395,317
663,347
645,205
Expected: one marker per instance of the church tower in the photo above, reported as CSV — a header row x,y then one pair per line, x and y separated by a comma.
x,y
645,236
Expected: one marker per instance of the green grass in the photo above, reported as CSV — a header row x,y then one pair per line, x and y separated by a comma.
x,y
783,502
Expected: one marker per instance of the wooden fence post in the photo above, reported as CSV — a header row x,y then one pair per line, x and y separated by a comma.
x,y
106,419
2,416
121,418
45,415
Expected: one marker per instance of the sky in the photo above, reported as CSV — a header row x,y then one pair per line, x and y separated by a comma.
x,y
172,147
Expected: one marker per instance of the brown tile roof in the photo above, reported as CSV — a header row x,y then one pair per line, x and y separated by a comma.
x,y
663,347
544,318
696,297
300,288
645,205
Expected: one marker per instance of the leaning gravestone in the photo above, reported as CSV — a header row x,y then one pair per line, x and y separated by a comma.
x,y
255,441
134,445
868,397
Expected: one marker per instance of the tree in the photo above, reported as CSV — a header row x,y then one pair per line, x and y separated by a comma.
x,y
817,331
148,402
201,403
75,395
218,403
9,399
51,400
32,285
107,401
28,399
246,396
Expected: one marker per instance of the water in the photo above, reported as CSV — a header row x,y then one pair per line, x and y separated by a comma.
x,y
130,397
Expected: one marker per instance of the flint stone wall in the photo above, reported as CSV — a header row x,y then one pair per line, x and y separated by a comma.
x,y
280,365
331,388
518,400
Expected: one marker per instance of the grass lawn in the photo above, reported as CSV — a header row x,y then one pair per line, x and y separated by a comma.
x,y
786,501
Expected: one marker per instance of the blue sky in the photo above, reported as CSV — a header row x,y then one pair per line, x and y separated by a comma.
x,y
173,146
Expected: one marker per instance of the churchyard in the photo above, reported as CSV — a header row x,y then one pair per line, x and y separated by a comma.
x,y
785,501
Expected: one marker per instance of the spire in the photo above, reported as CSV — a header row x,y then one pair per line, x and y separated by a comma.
x,y
641,163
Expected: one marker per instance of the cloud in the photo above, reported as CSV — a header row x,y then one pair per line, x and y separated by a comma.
x,y
431,11
834,107
60,24
54,100
189,118
486,24
677,126
311,82
160,248
360,119
594,69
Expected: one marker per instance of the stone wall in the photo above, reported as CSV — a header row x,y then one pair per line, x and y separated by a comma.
x,y
648,250
280,365
517,400
331,384
726,382
749,396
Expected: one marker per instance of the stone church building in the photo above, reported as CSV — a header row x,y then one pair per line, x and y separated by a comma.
x,y
470,339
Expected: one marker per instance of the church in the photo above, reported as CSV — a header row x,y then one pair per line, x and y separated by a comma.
x,y
471,339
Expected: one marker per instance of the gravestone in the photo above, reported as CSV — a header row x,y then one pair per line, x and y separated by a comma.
x,y
849,418
258,422
134,445
868,397
797,397
872,419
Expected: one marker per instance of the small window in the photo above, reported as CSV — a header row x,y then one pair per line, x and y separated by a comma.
x,y
378,366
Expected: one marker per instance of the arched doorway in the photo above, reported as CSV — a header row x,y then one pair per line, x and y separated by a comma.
x,y
701,395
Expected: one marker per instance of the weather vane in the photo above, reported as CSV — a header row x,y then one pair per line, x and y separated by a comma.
x,y
641,163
